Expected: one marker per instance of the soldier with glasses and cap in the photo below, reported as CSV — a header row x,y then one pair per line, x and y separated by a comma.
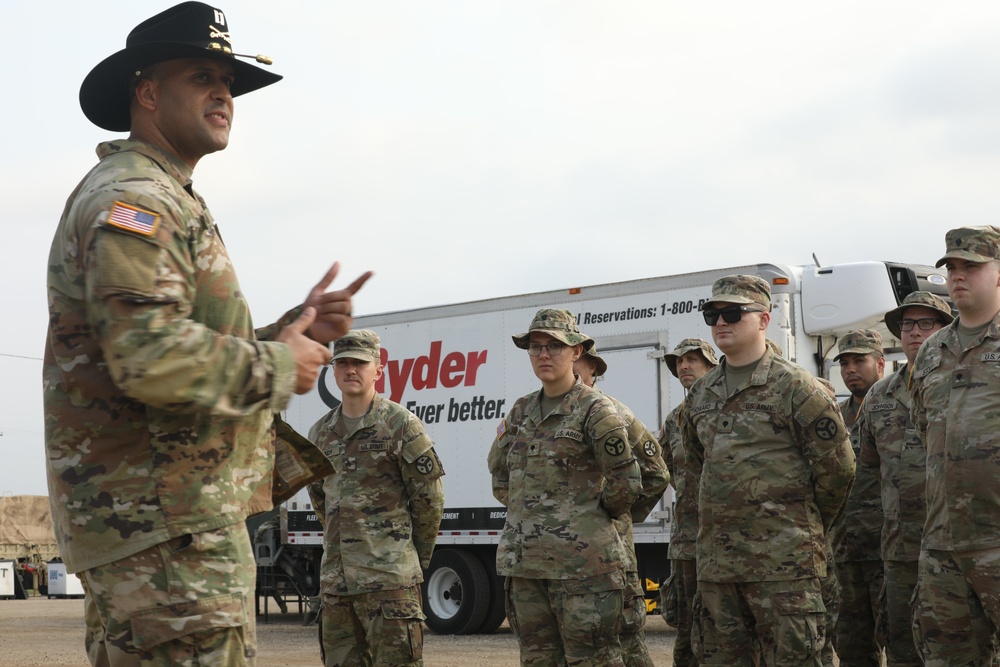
x,y
956,407
769,452
655,479
891,448
159,392
562,465
692,358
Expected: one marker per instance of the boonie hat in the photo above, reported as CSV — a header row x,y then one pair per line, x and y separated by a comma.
x,y
558,323
973,244
360,344
919,298
862,341
690,345
741,289
187,30
600,366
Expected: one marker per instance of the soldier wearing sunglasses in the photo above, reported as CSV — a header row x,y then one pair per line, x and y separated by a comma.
x,y
770,453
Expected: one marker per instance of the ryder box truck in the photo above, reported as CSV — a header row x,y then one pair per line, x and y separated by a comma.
x,y
456,368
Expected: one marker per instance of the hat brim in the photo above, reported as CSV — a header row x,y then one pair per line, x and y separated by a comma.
x,y
522,340
104,94
967,256
733,301
354,354
600,366
855,350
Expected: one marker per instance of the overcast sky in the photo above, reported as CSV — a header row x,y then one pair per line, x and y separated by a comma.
x,y
465,150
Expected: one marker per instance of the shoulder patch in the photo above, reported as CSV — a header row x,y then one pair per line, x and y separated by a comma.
x,y
133,219
614,446
501,428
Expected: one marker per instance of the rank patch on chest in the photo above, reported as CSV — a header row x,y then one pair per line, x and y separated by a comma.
x,y
373,446
133,219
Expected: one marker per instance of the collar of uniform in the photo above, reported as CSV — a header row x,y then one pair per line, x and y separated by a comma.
x,y
179,170
565,407
368,419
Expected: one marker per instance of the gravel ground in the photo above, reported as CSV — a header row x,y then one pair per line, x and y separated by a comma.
x,y
39,632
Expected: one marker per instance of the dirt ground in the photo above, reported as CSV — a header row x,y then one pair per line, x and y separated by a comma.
x,y
39,632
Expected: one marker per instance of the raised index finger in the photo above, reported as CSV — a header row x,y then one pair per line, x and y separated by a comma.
x,y
358,283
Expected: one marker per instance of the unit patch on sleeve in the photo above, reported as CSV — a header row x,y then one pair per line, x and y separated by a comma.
x,y
614,446
133,219
424,465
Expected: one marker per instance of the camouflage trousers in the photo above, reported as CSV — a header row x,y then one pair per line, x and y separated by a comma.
x,y
781,623
897,614
857,639
633,630
186,602
381,629
957,607
678,592
830,588
567,622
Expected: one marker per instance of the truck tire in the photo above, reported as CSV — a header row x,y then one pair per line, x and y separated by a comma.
x,y
497,613
456,593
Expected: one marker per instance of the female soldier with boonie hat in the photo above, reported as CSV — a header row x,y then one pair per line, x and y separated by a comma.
x,y
563,466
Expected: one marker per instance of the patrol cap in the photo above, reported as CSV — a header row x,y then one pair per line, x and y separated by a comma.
x,y
973,244
600,366
741,289
187,30
919,298
690,345
360,344
558,323
862,341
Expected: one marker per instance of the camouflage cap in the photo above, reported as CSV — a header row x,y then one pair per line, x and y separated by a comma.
x,y
920,298
741,289
690,345
862,341
600,366
558,323
361,344
973,244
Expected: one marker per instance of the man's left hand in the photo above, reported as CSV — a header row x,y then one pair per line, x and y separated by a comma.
x,y
333,309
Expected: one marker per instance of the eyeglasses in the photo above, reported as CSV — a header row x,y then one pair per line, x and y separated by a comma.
x,y
925,324
731,314
554,348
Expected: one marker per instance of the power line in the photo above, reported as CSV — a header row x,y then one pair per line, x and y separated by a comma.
x,y
20,356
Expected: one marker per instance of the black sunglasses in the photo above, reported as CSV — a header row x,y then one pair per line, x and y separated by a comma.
x,y
731,314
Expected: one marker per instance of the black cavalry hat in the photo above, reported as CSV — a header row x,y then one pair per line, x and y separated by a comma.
x,y
187,30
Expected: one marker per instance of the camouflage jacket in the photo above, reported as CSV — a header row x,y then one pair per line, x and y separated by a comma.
x,y
654,475
857,535
684,519
956,398
158,392
564,479
383,504
774,469
890,445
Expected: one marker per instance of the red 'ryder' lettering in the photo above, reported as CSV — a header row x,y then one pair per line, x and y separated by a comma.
x,y
426,372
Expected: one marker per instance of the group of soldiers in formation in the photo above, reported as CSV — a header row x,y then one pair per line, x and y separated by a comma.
x,y
160,441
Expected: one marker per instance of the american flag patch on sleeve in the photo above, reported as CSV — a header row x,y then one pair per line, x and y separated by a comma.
x,y
125,216
501,428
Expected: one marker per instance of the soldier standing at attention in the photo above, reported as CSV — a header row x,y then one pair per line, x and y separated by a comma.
x,y
158,390
692,358
562,465
655,479
890,445
956,404
773,465
857,536
382,507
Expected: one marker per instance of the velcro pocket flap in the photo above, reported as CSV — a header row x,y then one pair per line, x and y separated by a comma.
x,y
402,610
152,627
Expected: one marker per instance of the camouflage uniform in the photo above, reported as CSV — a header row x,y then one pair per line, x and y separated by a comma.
x,y
956,397
564,479
857,539
890,446
679,590
382,508
158,392
774,468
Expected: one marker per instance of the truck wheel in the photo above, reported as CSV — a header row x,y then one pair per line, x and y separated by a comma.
x,y
497,613
456,593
